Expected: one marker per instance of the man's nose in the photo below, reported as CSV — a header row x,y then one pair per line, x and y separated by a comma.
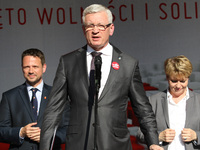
x,y
95,29
30,69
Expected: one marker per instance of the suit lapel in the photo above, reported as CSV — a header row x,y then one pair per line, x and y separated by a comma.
x,y
189,108
117,57
165,108
82,63
25,98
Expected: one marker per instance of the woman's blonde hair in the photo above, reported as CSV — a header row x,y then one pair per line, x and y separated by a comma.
x,y
178,66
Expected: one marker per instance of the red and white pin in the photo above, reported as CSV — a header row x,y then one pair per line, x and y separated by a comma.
x,y
115,65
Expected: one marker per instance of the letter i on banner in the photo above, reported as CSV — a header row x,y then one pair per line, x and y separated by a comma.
x,y
146,11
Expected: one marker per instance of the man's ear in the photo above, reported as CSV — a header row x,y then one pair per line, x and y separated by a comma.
x,y
112,28
44,67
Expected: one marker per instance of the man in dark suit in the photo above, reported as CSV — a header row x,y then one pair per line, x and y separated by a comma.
x,y
18,125
120,82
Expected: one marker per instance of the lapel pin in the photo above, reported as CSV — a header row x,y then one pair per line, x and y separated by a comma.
x,y
115,65
45,97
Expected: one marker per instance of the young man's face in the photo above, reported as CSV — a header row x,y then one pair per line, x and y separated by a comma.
x,y
33,70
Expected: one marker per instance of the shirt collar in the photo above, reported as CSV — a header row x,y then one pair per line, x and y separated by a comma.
x,y
105,51
169,96
39,87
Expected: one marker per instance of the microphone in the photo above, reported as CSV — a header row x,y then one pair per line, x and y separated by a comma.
x,y
98,63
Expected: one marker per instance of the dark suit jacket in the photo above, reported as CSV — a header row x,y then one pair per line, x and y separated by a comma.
x,y
72,82
160,108
16,112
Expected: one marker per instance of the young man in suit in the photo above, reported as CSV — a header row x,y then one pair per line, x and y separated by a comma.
x,y
19,126
120,83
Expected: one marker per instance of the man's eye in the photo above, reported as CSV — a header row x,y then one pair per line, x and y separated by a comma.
x,y
90,26
101,26
182,81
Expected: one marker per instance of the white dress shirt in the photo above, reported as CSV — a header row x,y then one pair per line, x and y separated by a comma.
x,y
106,63
177,117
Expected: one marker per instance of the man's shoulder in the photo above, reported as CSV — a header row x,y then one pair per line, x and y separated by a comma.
x,y
15,89
75,52
22,86
47,87
124,54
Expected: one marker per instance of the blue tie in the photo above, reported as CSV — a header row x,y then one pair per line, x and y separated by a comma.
x,y
34,103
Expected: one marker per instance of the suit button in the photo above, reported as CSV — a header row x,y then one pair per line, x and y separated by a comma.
x,y
93,124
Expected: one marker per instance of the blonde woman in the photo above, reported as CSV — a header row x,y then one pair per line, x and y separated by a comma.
x,y
177,109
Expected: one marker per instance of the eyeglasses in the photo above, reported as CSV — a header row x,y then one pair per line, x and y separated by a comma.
x,y
99,26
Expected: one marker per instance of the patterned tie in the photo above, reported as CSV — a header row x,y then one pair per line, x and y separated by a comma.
x,y
34,102
92,77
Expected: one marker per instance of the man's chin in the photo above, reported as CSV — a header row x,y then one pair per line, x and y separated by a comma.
x,y
97,47
31,82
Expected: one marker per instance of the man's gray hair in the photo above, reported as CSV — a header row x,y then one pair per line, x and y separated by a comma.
x,y
94,8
